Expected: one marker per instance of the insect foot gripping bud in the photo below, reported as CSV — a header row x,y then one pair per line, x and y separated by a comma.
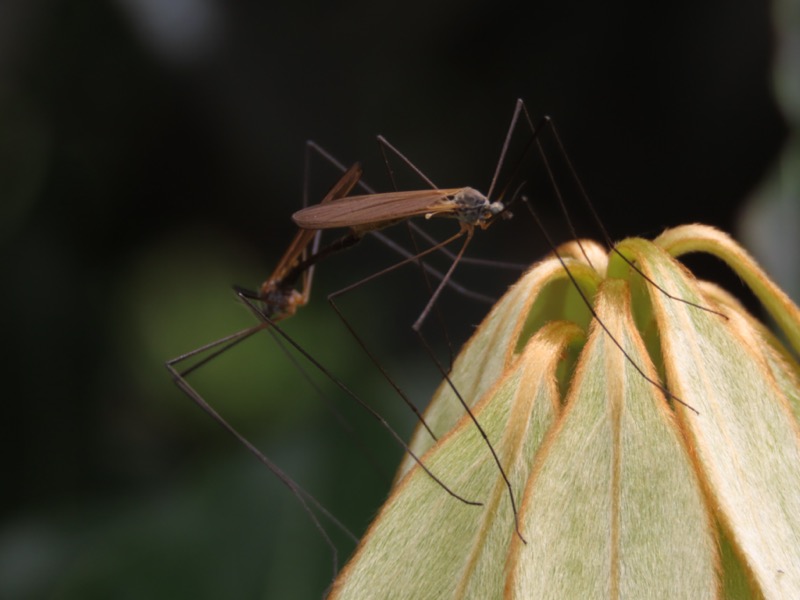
x,y
652,445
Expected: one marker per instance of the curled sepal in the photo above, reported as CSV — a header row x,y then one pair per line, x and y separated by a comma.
x,y
745,437
613,508
702,238
426,544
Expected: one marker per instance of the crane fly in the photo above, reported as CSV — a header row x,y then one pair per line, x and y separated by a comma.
x,y
375,211
278,298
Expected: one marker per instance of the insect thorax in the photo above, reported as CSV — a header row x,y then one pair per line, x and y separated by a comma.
x,y
474,208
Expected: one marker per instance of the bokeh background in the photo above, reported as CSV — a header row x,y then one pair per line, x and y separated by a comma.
x,y
152,154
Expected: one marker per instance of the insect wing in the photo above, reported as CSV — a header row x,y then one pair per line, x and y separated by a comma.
x,y
374,210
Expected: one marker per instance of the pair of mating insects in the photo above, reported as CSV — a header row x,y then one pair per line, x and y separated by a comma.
x,y
279,297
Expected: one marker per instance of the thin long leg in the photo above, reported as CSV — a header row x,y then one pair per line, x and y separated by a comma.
x,y
332,300
520,105
418,323
308,274
342,386
466,260
426,280
446,375
416,327
384,145
214,349
306,500
455,286
223,345
228,342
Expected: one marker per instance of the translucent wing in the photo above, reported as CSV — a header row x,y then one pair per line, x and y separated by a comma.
x,y
374,211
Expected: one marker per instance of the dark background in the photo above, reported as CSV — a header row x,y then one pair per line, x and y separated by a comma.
x,y
152,154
